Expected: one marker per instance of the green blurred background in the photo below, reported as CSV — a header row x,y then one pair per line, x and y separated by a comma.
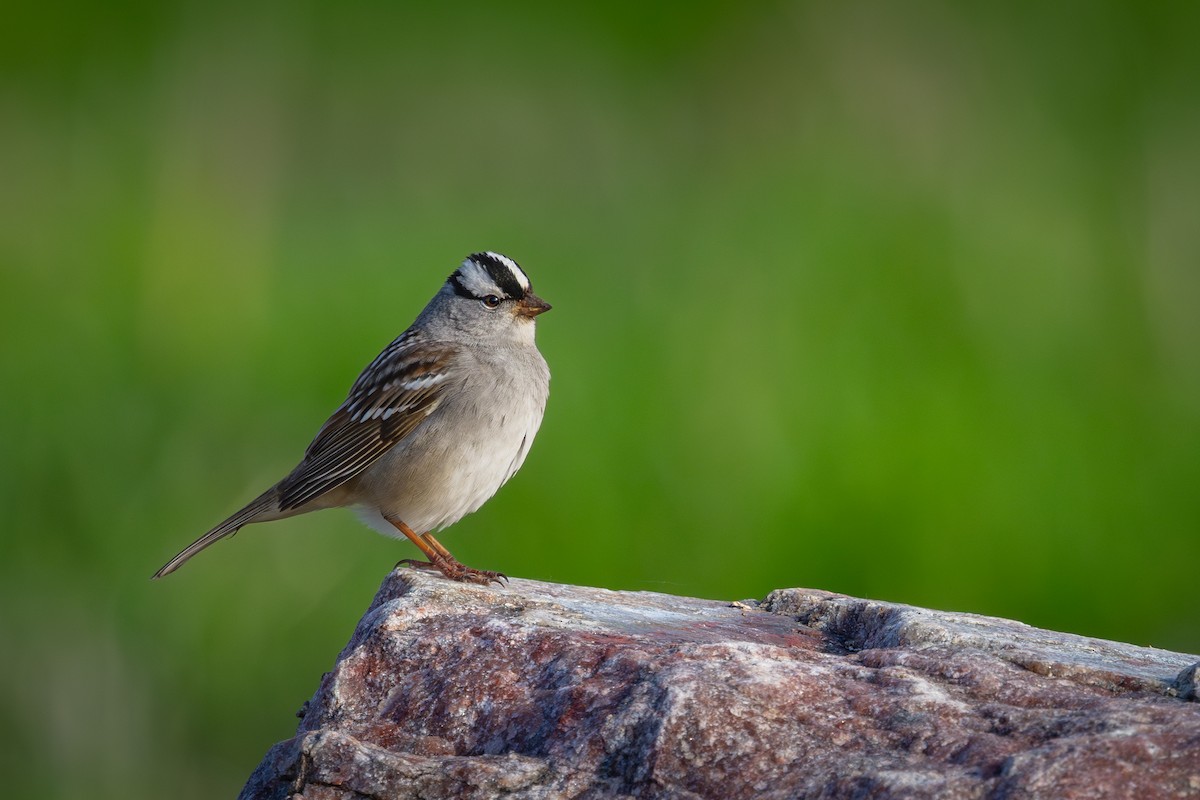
x,y
895,300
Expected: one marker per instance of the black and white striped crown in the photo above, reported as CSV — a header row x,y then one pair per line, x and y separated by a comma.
x,y
490,273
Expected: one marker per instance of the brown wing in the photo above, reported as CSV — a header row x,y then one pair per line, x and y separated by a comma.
x,y
389,400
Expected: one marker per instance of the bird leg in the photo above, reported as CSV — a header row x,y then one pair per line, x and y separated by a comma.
x,y
483,576
440,558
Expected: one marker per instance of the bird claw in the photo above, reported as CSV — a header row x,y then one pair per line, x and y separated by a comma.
x,y
416,563
484,576
456,571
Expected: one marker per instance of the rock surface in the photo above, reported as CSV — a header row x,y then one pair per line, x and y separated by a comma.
x,y
540,690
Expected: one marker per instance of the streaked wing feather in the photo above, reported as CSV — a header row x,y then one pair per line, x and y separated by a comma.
x,y
389,400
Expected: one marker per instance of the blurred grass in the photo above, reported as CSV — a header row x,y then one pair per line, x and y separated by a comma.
x,y
893,301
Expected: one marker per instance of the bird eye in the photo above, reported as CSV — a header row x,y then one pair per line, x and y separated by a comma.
x,y
491,302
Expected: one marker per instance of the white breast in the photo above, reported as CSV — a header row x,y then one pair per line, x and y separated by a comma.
x,y
463,453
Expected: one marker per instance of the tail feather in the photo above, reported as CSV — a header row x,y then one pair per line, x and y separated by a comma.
x,y
260,506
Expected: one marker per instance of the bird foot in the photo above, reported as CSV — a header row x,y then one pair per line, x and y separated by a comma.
x,y
456,571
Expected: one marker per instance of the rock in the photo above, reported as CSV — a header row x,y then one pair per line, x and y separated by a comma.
x,y
1185,684
538,690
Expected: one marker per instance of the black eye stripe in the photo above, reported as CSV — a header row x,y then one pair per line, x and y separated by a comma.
x,y
459,289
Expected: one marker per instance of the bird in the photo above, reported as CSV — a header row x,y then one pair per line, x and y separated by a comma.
x,y
432,428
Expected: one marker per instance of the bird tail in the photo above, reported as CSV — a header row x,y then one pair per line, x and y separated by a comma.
x,y
258,510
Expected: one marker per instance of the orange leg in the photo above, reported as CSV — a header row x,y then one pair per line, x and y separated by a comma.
x,y
440,558
436,545
470,573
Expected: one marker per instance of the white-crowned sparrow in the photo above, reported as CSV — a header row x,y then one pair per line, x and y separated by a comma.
x,y
439,421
